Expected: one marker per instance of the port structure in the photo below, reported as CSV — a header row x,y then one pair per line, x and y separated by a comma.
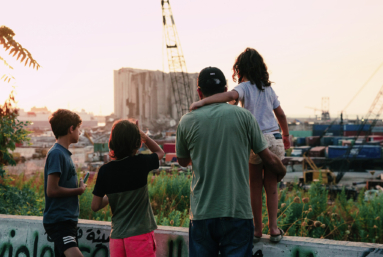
x,y
325,109
182,91
371,118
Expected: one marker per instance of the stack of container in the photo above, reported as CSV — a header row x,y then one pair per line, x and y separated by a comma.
x,y
357,151
318,151
313,141
352,129
377,131
334,130
300,141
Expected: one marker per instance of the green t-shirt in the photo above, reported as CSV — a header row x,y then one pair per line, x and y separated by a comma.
x,y
218,139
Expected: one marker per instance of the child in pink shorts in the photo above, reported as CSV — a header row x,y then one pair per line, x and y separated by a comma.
x,y
122,183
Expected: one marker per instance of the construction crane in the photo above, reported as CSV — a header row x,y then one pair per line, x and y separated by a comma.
x,y
325,108
182,91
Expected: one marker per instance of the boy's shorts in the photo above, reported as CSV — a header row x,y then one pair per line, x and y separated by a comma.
x,y
63,234
275,146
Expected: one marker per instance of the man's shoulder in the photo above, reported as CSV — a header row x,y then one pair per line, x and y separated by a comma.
x,y
189,117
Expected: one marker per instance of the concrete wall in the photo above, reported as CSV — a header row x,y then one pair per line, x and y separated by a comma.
x,y
25,236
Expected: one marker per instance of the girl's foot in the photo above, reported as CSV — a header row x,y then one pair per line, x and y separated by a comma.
x,y
277,237
257,236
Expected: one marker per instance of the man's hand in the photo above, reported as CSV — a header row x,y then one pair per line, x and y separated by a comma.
x,y
286,141
196,105
82,186
273,163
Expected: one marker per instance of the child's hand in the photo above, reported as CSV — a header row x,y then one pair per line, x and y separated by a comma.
x,y
82,186
286,141
142,134
195,105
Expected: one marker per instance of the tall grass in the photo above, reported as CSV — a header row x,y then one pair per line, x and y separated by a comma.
x,y
306,214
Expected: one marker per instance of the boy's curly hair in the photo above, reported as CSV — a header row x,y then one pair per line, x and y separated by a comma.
x,y
250,64
61,120
124,139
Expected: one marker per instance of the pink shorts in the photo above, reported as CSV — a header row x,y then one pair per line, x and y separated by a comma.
x,y
135,246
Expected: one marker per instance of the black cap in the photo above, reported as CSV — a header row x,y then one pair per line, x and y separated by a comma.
x,y
211,77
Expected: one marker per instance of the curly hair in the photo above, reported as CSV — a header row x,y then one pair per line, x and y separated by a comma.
x,y
61,120
250,64
124,139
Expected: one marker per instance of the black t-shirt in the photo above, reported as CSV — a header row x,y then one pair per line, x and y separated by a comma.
x,y
125,183
127,174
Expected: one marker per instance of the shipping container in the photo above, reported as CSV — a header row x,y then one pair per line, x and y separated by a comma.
x,y
303,148
318,151
336,151
336,140
377,129
354,133
356,127
357,151
377,133
301,133
367,151
313,141
375,138
169,147
327,140
328,133
300,141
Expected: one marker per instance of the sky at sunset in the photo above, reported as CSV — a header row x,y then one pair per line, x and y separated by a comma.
x,y
313,49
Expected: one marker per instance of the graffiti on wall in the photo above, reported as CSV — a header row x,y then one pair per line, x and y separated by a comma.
x,y
92,242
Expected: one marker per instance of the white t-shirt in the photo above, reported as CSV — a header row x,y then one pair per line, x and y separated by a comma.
x,y
260,103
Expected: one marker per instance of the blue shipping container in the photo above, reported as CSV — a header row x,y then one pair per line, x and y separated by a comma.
x,y
325,141
319,127
353,127
357,151
337,139
335,151
301,141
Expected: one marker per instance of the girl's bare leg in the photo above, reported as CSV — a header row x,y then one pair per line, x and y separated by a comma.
x,y
271,188
256,185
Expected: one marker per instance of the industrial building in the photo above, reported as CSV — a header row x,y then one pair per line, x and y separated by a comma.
x,y
148,96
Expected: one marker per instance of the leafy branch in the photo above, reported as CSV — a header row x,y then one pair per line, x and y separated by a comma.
x,y
15,48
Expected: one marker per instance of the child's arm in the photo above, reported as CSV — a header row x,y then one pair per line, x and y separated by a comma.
x,y
281,117
99,203
54,190
217,98
153,146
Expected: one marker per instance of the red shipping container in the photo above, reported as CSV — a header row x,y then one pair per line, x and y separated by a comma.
x,y
318,151
313,141
169,147
377,133
375,138
353,133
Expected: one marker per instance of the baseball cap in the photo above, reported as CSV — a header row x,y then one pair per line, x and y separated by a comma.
x,y
211,77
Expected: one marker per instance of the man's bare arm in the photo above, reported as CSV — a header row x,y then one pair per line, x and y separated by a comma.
x,y
272,162
184,162
54,190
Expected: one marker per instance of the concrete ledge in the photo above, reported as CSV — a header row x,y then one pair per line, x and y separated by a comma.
x,y
25,236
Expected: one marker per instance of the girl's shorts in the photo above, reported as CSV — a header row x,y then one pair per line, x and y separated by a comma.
x,y
142,245
275,146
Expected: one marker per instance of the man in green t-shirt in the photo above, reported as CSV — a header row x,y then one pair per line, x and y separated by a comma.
x,y
217,139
